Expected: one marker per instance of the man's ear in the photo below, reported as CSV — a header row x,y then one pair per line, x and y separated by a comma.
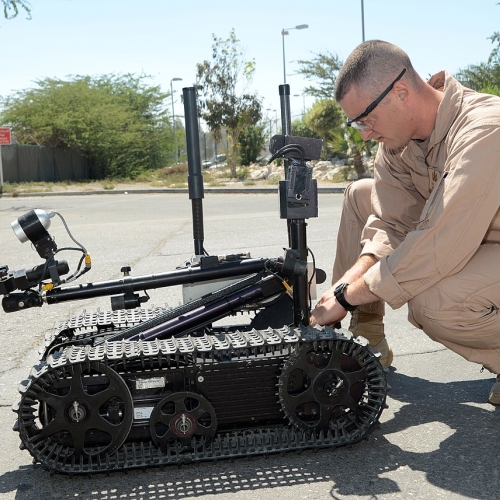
x,y
401,91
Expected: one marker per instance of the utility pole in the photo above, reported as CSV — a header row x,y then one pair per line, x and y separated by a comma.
x,y
363,20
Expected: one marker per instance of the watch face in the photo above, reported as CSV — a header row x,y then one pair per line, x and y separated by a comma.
x,y
339,288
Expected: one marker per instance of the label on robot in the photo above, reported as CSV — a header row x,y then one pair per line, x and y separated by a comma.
x,y
143,413
150,383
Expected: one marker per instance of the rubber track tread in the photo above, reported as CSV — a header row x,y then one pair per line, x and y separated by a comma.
x,y
235,345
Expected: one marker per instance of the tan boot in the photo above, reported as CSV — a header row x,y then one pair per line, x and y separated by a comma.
x,y
371,327
494,398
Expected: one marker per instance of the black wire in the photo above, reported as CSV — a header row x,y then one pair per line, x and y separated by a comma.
x,y
51,259
312,275
40,281
288,149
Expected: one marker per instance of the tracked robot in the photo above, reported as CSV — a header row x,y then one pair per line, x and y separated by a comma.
x,y
134,387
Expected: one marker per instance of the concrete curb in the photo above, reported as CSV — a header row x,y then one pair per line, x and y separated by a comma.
x,y
162,191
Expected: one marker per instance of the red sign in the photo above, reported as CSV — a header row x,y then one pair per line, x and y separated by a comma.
x,y
5,136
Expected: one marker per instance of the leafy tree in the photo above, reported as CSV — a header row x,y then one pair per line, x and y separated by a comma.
x,y
224,101
324,118
300,129
495,53
484,77
480,77
118,122
11,8
349,141
491,89
323,71
251,143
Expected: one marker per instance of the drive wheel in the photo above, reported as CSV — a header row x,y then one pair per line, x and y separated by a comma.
x,y
336,386
75,413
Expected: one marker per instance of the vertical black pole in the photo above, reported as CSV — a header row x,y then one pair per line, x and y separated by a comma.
x,y
195,177
286,123
286,120
297,231
296,227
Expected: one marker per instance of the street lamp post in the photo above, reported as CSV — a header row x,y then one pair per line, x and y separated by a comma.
x,y
303,103
173,116
284,32
270,122
362,20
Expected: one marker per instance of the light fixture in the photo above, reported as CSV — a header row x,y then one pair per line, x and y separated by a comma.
x,y
284,32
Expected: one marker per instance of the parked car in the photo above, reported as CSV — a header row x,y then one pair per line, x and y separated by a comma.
x,y
215,161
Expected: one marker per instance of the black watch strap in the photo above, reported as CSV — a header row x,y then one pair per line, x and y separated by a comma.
x,y
339,295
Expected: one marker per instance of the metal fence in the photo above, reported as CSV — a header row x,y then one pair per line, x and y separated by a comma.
x,y
22,163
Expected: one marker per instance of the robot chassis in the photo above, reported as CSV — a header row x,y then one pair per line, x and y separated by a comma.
x,y
135,388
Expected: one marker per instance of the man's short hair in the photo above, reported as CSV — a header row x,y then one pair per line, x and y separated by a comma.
x,y
372,66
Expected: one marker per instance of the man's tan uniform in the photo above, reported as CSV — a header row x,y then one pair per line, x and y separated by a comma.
x,y
434,224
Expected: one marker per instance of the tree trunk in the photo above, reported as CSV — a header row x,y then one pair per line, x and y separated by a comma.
x,y
358,165
235,134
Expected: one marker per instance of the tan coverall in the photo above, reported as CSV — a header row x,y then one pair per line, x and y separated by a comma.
x,y
434,222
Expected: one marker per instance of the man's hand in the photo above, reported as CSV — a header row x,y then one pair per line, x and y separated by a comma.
x,y
327,311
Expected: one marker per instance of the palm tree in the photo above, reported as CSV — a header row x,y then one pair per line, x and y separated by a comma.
x,y
349,142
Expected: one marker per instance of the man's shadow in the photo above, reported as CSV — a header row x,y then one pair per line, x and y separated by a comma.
x,y
440,430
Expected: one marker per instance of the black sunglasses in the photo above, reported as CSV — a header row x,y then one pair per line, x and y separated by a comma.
x,y
362,126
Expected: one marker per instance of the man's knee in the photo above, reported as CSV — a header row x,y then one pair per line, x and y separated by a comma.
x,y
358,195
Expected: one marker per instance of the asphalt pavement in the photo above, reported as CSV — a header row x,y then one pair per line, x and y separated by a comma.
x,y
439,438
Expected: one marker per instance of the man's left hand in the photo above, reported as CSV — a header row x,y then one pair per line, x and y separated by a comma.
x,y
327,311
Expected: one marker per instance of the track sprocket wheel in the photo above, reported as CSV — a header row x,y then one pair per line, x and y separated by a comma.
x,y
75,414
333,385
183,420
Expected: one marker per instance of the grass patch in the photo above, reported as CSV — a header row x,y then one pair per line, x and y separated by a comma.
x,y
175,176
147,176
157,184
44,187
28,187
242,173
10,188
215,183
272,180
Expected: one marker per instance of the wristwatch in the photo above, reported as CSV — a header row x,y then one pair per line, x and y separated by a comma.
x,y
339,295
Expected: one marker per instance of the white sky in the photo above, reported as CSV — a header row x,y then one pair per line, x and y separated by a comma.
x,y
166,38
